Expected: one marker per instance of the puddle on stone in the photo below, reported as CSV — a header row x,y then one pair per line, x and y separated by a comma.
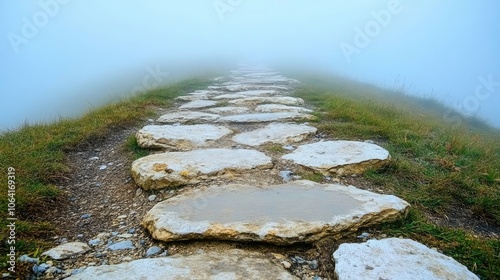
x,y
290,202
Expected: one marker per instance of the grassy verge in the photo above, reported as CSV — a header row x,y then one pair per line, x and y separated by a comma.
x,y
440,168
37,153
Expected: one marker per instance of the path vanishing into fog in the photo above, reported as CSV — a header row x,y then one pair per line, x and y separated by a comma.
x,y
227,168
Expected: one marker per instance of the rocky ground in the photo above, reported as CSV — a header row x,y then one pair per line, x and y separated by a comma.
x,y
192,209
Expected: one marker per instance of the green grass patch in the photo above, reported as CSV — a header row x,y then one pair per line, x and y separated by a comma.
x,y
37,152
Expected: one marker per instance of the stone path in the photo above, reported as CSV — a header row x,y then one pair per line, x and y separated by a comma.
x,y
215,150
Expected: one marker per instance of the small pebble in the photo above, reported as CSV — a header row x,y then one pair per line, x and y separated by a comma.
x,y
288,147
79,236
138,192
86,216
153,251
127,259
25,258
364,235
286,264
313,265
121,217
94,158
103,167
152,197
131,231
94,242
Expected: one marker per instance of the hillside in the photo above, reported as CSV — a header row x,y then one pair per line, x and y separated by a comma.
x,y
73,180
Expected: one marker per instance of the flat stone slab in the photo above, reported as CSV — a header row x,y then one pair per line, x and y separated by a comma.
x,y
228,110
265,117
339,157
172,169
270,108
299,211
395,258
187,116
195,104
237,87
285,100
179,137
67,250
205,92
259,92
229,96
279,133
232,264
192,97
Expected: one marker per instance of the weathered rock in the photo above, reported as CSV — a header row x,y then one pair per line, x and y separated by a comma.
x,y
339,157
300,211
122,245
259,92
182,168
187,116
238,87
265,117
179,137
285,100
205,92
280,133
229,96
198,104
270,108
228,110
67,250
228,265
395,258
192,97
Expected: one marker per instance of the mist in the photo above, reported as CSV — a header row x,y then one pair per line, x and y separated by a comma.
x,y
60,58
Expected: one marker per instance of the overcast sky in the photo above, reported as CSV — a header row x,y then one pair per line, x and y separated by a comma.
x,y
58,57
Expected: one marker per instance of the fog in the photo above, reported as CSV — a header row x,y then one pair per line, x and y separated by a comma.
x,y
60,58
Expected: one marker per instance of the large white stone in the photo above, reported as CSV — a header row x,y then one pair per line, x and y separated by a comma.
x,y
187,116
226,265
205,92
269,108
182,168
258,92
339,157
195,104
280,133
237,87
192,97
395,258
300,211
285,100
229,96
179,137
265,117
228,110
67,250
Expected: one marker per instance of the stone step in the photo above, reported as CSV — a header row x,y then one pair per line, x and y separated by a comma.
x,y
300,211
187,117
395,258
278,133
339,157
285,100
227,265
228,110
179,137
195,104
172,169
265,117
270,108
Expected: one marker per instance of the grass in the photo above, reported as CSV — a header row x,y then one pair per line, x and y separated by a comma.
x,y
38,154
439,167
